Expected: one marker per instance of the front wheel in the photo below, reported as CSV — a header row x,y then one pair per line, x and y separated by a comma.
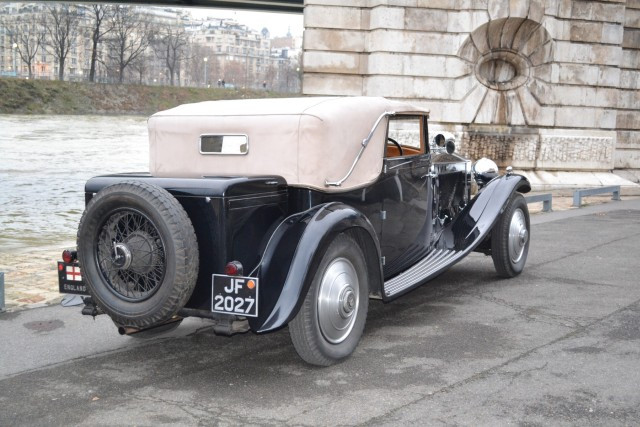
x,y
330,322
510,238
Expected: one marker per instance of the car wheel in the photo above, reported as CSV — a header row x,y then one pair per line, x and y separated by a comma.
x,y
510,238
138,253
330,322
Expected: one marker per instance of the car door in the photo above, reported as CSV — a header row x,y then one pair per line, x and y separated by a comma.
x,y
406,195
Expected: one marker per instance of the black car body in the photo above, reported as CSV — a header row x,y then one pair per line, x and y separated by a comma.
x,y
302,249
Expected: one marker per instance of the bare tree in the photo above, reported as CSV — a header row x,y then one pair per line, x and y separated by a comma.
x,y
196,66
234,72
27,33
141,66
271,76
61,23
170,47
101,26
129,38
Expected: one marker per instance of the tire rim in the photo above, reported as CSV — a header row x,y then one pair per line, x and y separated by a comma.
x,y
338,300
130,254
518,236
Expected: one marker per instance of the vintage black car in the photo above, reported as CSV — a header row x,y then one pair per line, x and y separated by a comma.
x,y
258,214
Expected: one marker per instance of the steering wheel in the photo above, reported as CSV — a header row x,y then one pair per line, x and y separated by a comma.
x,y
394,142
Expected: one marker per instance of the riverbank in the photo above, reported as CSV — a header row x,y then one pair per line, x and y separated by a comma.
x,y
20,96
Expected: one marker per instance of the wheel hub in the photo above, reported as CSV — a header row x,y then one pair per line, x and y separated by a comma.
x,y
347,302
131,255
121,256
142,245
524,236
518,236
338,300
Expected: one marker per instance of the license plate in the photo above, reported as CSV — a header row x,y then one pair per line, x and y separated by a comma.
x,y
234,295
70,279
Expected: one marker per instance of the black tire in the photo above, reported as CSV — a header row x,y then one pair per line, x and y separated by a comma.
x,y
315,341
510,238
138,252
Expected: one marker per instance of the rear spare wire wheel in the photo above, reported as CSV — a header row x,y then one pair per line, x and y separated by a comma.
x,y
138,253
131,255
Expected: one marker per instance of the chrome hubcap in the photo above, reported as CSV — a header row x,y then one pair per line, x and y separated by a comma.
x,y
518,236
121,256
347,303
338,300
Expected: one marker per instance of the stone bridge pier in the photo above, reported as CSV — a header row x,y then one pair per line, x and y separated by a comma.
x,y
551,87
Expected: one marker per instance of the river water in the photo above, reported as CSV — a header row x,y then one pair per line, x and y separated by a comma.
x,y
44,163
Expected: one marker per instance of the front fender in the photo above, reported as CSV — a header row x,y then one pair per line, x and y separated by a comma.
x,y
293,254
477,219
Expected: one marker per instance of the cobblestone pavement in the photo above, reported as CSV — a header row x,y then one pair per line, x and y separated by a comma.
x,y
31,278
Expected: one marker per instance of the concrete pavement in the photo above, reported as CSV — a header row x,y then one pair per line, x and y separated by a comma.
x,y
559,345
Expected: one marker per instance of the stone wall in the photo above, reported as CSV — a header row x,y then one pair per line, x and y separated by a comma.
x,y
539,84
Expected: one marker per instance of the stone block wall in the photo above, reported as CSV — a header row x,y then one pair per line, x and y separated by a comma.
x,y
549,84
628,118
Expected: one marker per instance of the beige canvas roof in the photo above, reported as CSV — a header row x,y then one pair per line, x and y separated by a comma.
x,y
305,140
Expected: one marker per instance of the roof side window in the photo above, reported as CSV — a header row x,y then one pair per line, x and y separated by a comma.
x,y
405,136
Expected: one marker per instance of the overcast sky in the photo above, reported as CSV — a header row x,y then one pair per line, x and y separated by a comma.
x,y
277,23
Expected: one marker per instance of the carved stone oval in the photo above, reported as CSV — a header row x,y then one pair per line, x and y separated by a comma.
x,y
503,69
497,71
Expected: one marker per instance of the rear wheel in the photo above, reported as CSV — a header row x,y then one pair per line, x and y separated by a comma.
x,y
330,322
138,253
510,238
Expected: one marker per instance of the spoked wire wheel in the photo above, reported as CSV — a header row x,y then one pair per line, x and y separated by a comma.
x,y
131,255
138,253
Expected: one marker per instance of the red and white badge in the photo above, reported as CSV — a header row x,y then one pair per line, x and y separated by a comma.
x,y
73,273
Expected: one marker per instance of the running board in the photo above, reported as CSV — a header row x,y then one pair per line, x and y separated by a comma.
x,y
431,265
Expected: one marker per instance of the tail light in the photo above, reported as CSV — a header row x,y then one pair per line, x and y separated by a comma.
x,y
233,268
69,256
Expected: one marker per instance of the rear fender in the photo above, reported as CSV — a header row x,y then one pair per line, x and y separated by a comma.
x,y
294,252
477,219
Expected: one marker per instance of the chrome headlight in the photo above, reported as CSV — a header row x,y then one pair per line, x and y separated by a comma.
x,y
484,166
484,170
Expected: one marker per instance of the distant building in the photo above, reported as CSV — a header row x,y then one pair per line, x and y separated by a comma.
x,y
236,54
240,56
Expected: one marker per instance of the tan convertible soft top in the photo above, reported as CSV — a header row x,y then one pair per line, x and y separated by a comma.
x,y
305,140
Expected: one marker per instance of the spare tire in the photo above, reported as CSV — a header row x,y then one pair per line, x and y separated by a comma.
x,y
138,253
